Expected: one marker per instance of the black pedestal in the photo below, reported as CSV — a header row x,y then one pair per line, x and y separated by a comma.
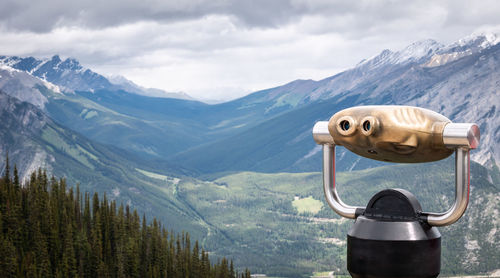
x,y
389,239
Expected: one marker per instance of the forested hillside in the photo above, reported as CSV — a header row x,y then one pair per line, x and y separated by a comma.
x,y
50,230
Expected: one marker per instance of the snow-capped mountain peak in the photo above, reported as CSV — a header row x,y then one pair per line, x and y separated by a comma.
x,y
431,53
473,43
466,46
482,40
67,73
414,52
70,75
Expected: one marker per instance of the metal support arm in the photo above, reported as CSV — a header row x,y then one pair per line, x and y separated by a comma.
x,y
322,136
462,190
332,198
462,137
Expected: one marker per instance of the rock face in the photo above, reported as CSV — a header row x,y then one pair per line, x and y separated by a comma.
x,y
20,124
24,86
68,73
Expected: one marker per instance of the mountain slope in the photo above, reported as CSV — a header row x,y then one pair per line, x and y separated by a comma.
x,y
33,140
24,86
283,143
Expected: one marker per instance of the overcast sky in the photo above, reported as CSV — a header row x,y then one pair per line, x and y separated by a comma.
x,y
223,49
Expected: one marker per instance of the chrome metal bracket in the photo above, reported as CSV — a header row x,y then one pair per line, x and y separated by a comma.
x,y
462,137
322,136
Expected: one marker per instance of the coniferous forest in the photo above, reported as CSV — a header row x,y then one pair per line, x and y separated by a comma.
x,y
50,230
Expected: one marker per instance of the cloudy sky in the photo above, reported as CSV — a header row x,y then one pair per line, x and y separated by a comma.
x,y
223,49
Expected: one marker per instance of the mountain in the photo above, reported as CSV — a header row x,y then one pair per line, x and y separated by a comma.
x,y
66,73
148,126
145,132
70,75
129,86
463,87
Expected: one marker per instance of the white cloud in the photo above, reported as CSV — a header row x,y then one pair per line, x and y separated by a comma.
x,y
225,49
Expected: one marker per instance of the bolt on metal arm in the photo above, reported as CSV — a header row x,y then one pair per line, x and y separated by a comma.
x,y
322,137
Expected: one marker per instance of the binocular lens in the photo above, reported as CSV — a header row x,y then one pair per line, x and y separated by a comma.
x,y
344,125
366,125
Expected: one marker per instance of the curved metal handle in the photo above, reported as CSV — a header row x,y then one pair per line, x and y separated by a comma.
x,y
322,136
462,137
462,190
332,198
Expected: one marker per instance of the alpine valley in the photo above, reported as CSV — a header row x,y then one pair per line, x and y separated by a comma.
x,y
243,176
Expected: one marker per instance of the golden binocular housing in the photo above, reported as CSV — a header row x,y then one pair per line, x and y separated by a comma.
x,y
396,133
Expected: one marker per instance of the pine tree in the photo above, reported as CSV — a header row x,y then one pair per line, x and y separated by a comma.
x,y
68,257
16,177
247,273
41,253
224,272
6,174
231,270
195,261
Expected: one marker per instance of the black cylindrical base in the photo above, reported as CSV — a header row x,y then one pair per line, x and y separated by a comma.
x,y
389,240
384,258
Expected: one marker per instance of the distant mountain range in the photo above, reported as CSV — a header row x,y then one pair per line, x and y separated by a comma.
x,y
149,148
268,130
130,86
69,75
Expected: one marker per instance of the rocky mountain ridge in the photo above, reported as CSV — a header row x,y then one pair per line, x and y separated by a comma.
x,y
71,76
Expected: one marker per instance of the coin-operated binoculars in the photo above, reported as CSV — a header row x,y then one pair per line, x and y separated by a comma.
x,y
392,236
